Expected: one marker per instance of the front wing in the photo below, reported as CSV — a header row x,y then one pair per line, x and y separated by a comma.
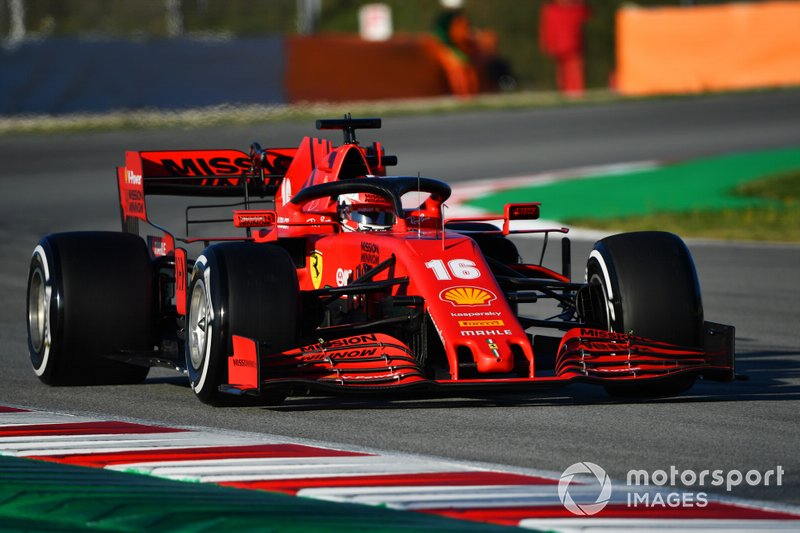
x,y
378,362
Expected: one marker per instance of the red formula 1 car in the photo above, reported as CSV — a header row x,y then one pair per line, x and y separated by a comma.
x,y
342,279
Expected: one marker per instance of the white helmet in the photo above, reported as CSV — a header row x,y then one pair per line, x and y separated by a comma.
x,y
365,212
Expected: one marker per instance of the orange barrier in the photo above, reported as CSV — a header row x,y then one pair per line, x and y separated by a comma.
x,y
343,67
708,48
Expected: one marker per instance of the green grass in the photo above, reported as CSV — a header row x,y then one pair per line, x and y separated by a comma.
x,y
783,187
777,221
258,114
225,114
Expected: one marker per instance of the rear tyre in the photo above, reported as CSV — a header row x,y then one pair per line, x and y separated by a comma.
x,y
90,294
649,288
242,289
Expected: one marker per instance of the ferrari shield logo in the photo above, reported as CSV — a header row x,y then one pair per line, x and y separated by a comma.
x,y
315,266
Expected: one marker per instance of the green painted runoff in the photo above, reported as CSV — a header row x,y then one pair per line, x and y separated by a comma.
x,y
696,185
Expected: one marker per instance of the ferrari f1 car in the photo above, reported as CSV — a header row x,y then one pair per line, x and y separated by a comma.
x,y
343,279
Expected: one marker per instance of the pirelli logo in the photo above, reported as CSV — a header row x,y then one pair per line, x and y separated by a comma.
x,y
480,323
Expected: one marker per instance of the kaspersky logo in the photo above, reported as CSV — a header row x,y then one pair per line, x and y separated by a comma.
x,y
588,496
467,296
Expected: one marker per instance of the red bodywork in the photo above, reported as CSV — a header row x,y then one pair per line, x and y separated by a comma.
x,y
439,274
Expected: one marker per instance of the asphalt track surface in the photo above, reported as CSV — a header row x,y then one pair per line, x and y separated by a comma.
x,y
66,182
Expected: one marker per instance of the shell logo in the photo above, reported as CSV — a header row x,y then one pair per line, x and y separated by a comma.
x,y
467,296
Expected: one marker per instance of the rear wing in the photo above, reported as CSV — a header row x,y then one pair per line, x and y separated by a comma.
x,y
205,172
208,173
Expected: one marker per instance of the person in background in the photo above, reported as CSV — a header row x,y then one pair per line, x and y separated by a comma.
x,y
471,59
452,29
561,38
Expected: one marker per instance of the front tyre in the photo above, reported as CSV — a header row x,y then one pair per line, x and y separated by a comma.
x,y
242,289
648,286
90,295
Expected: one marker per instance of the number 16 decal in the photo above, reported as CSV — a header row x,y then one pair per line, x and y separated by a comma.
x,y
458,268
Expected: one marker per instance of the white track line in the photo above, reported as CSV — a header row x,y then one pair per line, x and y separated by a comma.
x,y
95,444
656,525
231,470
451,497
26,418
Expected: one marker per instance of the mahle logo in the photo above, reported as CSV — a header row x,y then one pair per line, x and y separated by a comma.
x,y
569,491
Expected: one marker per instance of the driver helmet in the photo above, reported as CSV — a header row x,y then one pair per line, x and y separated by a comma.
x,y
365,212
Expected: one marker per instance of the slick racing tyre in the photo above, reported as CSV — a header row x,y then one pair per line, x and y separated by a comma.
x,y
648,287
494,246
90,295
242,289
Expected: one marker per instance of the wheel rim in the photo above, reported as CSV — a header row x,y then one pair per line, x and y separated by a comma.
x,y
198,324
37,310
607,305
